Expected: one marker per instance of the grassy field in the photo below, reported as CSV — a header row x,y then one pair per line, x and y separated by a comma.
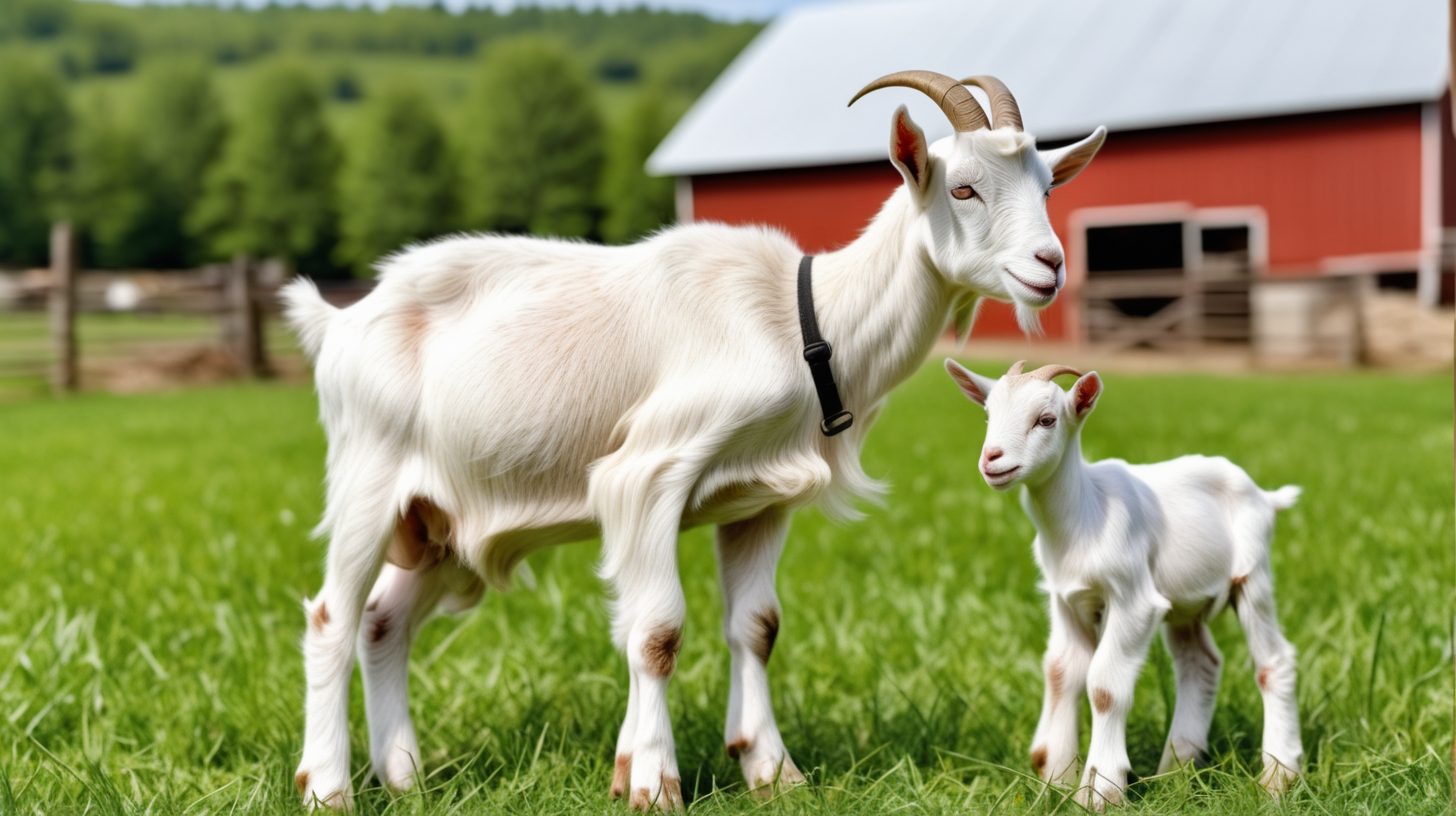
x,y
157,551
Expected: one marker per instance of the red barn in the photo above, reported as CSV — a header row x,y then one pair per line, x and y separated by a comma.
x,y
1250,140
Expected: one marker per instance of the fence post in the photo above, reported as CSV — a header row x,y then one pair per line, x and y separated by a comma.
x,y
244,318
62,298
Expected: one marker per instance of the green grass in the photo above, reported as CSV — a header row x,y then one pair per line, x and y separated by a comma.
x,y
157,550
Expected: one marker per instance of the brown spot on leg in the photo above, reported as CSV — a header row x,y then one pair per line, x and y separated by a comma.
x,y
1264,678
1056,676
1102,700
641,800
1039,760
621,776
320,617
301,780
737,748
1236,587
379,629
660,651
671,796
768,632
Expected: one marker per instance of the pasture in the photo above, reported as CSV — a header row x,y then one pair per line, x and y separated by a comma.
x,y
157,550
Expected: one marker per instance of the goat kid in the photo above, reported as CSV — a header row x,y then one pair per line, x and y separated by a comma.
x,y
496,395
1123,548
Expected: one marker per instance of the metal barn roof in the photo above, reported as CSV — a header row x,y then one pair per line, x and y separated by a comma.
x,y
1073,65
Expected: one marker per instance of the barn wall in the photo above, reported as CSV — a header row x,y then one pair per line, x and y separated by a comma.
x,y
1332,184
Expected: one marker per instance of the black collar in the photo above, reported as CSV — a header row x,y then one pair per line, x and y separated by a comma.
x,y
817,353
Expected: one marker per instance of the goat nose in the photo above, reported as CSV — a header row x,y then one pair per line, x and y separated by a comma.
x,y
1051,260
992,454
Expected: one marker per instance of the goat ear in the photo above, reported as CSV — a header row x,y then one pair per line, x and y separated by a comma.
x,y
1067,162
976,388
908,150
1085,392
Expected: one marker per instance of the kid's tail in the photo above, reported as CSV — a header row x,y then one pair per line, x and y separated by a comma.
x,y
1285,497
308,313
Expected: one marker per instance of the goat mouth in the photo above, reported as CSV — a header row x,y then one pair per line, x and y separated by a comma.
x,y
1000,477
1042,293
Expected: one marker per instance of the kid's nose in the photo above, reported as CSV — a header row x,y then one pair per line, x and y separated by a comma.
x,y
992,454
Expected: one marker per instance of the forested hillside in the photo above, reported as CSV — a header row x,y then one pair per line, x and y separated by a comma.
x,y
175,135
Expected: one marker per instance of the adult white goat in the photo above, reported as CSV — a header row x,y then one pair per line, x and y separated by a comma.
x,y
496,395
1124,548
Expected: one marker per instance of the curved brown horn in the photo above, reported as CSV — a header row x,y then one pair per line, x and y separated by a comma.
x,y
1052,372
962,109
1015,368
1004,110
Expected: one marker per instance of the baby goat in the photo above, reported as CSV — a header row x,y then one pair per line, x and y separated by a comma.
x,y
1122,548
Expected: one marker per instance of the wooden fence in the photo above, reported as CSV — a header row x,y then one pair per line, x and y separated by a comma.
x,y
64,328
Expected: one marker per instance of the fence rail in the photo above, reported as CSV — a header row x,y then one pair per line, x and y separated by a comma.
x,y
63,328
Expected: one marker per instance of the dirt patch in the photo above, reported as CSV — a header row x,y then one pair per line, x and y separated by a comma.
x,y
163,369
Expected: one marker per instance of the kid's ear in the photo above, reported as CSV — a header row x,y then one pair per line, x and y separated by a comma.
x,y
1085,392
976,388
908,150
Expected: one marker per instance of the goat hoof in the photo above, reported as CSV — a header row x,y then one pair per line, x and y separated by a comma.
x,y
1101,789
668,796
621,776
319,792
771,776
1277,777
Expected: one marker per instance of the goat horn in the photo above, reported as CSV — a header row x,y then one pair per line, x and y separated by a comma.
x,y
1015,368
1004,110
962,109
1052,372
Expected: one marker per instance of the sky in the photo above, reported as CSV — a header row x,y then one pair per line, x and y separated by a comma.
x,y
721,9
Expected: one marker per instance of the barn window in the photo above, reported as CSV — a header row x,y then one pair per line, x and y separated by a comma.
x,y
1135,248
1139,289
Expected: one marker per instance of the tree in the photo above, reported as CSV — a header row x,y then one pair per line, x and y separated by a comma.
x,y
180,127
34,139
636,203
114,196
398,180
533,149
272,193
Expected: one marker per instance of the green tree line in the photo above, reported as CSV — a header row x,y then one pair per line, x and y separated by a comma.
x,y
624,45
169,179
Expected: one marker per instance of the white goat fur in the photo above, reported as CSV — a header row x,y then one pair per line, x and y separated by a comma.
x,y
1121,549
496,395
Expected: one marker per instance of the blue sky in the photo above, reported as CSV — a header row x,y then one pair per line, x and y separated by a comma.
x,y
724,9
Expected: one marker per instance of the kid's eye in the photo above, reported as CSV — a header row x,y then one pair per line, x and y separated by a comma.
x,y
1046,421
963,193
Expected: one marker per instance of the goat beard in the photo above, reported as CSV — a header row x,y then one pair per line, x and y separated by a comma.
x,y
1028,319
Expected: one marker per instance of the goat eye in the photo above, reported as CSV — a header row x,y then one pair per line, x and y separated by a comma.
x,y
964,192
1046,421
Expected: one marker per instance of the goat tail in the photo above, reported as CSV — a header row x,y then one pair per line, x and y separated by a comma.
x,y
308,313
1285,497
